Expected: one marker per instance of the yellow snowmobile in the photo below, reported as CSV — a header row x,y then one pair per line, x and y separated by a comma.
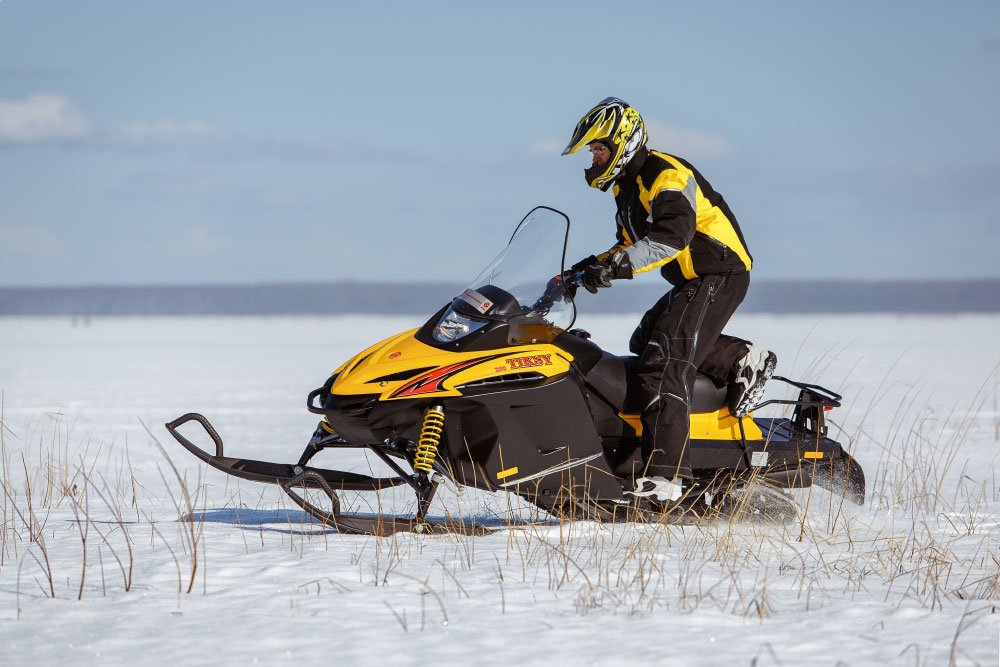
x,y
497,392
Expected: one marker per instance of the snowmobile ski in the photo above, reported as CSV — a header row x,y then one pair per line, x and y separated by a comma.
x,y
299,476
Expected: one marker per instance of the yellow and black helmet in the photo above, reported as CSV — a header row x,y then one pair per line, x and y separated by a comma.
x,y
618,126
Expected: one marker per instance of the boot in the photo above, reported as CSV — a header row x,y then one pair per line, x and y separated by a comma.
x,y
750,374
662,489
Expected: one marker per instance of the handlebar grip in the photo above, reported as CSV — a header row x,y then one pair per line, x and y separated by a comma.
x,y
573,279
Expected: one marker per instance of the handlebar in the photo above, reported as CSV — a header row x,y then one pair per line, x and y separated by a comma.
x,y
573,279
560,288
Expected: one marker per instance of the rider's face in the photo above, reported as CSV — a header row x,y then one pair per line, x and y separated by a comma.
x,y
600,153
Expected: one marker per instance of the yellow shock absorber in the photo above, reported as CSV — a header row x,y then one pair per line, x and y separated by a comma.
x,y
430,438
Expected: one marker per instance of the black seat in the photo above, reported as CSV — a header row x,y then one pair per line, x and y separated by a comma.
x,y
616,380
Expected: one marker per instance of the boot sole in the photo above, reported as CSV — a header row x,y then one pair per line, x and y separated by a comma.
x,y
756,390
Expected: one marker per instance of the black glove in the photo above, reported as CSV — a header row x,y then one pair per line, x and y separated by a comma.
x,y
596,276
581,265
600,274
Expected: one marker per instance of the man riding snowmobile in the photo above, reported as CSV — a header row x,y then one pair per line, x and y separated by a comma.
x,y
669,217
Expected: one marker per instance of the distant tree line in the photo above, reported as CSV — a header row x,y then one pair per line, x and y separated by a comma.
x,y
978,296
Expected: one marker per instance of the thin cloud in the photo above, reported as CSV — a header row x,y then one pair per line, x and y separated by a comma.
x,y
201,184
688,143
202,240
547,146
53,118
32,75
170,133
42,117
18,241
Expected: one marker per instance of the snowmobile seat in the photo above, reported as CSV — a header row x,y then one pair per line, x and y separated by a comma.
x,y
616,378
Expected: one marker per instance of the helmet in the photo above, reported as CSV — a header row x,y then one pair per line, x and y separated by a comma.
x,y
617,125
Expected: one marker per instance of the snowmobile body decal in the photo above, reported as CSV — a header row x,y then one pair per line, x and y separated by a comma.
x,y
529,362
476,300
432,381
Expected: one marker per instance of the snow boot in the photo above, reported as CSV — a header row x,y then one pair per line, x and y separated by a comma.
x,y
662,489
750,373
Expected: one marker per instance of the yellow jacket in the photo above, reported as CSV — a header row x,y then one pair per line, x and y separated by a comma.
x,y
670,217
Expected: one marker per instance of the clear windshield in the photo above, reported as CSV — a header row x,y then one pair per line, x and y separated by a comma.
x,y
521,285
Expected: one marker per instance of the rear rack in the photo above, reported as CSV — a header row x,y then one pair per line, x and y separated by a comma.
x,y
812,402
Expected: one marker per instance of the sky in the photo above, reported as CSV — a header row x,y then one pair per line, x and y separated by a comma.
x,y
243,142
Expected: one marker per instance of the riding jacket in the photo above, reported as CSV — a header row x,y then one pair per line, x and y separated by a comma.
x,y
670,218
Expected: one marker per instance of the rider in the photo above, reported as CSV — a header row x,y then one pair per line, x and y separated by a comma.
x,y
669,217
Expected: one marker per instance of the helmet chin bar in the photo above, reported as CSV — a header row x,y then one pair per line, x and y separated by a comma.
x,y
600,176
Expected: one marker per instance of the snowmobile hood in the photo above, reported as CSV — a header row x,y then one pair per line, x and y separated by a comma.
x,y
402,367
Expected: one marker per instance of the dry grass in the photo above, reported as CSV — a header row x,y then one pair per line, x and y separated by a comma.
x,y
927,538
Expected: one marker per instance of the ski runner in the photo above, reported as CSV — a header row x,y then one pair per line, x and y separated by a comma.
x,y
669,217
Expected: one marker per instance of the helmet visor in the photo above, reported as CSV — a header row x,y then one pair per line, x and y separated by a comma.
x,y
596,125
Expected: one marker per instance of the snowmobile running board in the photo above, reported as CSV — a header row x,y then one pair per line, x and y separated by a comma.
x,y
290,477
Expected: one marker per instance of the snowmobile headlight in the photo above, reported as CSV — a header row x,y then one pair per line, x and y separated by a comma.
x,y
454,326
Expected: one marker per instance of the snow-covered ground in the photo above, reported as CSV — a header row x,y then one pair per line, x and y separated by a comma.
x,y
96,557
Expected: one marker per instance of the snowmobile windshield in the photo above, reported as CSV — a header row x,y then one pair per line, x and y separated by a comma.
x,y
521,286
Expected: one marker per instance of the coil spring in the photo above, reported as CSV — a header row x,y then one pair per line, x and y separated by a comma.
x,y
430,437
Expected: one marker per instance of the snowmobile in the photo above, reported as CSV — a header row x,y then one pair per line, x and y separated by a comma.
x,y
497,391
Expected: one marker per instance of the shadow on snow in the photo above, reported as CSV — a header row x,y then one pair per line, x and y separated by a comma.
x,y
258,518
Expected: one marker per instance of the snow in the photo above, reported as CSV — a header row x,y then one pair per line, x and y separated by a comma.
x,y
911,578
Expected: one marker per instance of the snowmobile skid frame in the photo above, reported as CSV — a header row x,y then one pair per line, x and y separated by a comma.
x,y
300,475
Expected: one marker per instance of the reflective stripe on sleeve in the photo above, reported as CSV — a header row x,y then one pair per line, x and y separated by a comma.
x,y
648,254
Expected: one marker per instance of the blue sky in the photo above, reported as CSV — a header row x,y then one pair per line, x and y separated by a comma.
x,y
244,142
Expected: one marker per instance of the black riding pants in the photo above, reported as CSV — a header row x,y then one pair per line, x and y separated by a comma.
x,y
679,335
